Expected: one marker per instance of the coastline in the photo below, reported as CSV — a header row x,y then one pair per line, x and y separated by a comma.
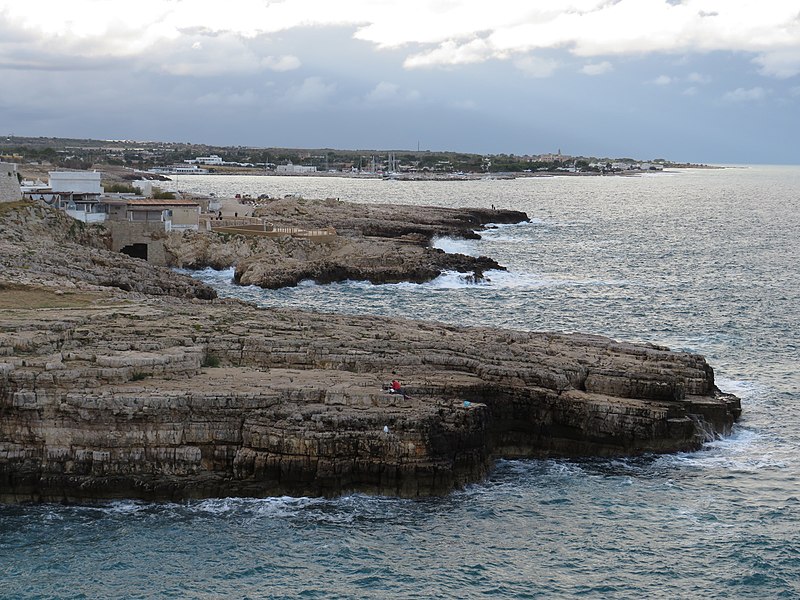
x,y
139,388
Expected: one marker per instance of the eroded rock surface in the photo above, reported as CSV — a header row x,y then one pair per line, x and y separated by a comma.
x,y
288,261
122,400
141,390
43,246
386,220
375,243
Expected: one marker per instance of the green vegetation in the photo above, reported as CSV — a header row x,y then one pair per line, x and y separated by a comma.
x,y
9,206
121,188
84,153
211,360
160,194
139,376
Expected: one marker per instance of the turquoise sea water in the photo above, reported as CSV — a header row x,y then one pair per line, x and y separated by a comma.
x,y
704,260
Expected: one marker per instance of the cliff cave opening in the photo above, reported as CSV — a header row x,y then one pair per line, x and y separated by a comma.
x,y
136,251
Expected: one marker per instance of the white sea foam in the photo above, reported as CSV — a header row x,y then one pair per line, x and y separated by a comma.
x,y
742,389
744,450
496,280
455,246
123,507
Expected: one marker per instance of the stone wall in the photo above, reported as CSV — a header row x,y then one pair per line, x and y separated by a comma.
x,y
127,233
9,184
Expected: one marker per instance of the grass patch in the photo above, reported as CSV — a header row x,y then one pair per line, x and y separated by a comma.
x,y
9,206
139,376
28,297
211,360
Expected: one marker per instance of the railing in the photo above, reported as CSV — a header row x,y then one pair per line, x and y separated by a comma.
x,y
260,227
86,217
300,232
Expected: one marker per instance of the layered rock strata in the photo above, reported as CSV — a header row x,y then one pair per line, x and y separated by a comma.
x,y
385,220
116,381
375,243
43,246
172,399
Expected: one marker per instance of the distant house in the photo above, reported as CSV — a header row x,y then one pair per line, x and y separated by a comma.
x,y
178,170
646,166
209,160
621,166
9,183
290,169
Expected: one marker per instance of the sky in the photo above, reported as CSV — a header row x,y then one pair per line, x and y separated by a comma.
x,y
714,81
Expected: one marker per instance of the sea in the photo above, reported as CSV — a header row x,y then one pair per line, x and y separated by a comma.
x,y
704,260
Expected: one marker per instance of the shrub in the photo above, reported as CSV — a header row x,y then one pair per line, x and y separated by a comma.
x,y
160,194
121,188
211,360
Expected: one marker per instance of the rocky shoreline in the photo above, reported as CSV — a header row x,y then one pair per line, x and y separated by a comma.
x,y
378,243
154,390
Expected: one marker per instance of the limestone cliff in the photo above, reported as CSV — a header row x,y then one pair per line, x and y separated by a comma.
x,y
117,381
43,246
126,400
385,220
375,243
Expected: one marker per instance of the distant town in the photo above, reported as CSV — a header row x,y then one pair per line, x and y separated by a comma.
x,y
115,157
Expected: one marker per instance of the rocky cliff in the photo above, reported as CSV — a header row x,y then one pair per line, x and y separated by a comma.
x,y
385,220
41,246
375,243
144,390
171,399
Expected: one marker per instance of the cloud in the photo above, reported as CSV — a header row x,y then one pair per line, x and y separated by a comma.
x,y
229,98
464,105
690,91
597,68
430,32
746,95
534,66
281,63
453,53
663,80
782,63
313,91
390,93
697,78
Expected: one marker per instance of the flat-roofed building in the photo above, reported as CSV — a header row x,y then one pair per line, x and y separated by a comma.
x,y
176,215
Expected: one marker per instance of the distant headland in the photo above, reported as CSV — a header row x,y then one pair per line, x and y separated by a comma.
x,y
115,157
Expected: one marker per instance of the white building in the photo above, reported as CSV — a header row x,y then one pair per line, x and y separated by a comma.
x,y
291,169
209,160
76,182
179,170
145,187
79,194
9,183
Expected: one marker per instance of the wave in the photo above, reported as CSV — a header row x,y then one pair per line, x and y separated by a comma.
x,y
745,450
222,281
455,246
508,280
